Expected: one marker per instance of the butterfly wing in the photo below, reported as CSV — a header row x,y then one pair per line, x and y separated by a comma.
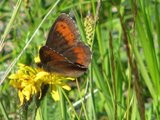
x,y
64,38
63,52
55,62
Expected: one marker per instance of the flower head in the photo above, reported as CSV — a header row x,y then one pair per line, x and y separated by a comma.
x,y
29,81
89,24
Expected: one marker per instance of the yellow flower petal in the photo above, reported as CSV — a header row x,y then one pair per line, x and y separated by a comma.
x,y
40,75
12,76
55,95
21,97
37,59
27,92
21,65
66,87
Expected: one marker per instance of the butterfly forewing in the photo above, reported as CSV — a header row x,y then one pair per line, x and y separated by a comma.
x,y
63,33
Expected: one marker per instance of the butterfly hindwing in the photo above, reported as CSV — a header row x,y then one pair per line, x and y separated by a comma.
x,y
54,62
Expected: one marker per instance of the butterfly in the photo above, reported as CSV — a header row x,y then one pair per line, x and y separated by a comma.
x,y
64,52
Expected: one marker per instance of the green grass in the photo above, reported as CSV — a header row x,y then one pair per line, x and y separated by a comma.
x,y
123,80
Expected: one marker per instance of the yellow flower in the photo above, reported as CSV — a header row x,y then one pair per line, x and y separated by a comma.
x,y
29,81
